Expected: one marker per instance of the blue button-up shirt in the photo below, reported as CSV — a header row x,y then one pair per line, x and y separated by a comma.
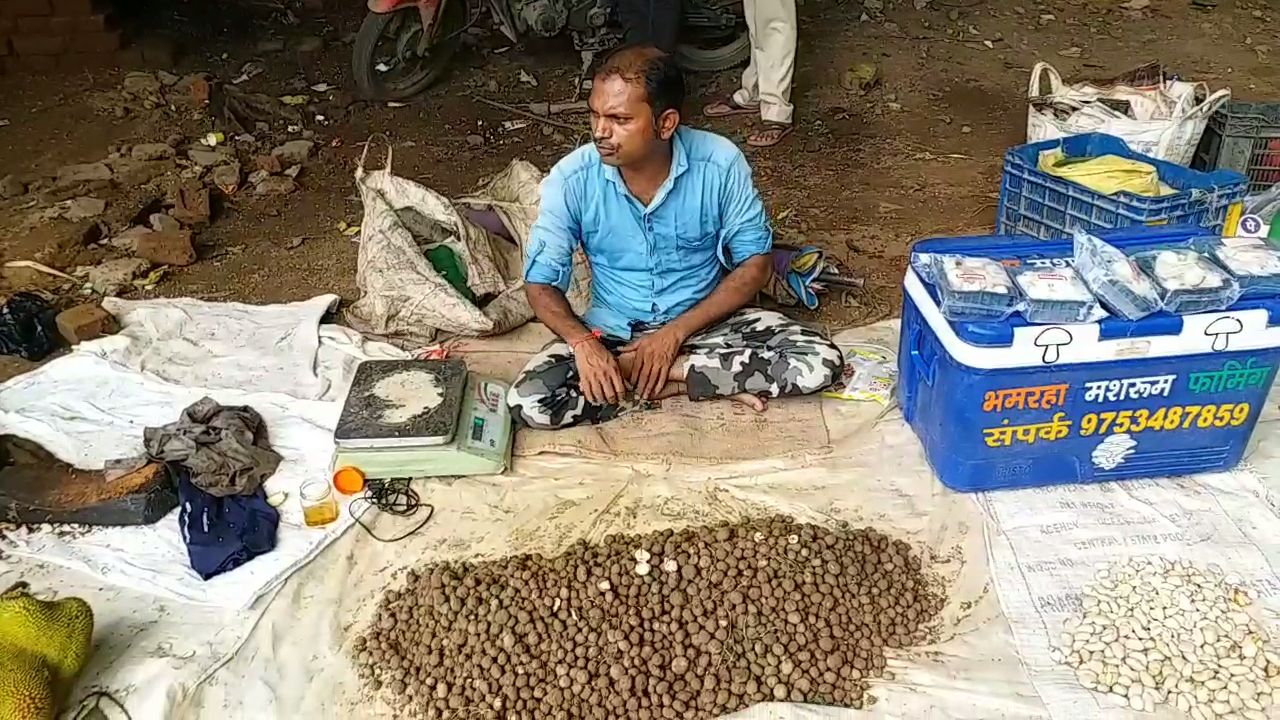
x,y
648,264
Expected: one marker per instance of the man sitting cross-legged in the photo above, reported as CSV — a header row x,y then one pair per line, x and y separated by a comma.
x,y
678,244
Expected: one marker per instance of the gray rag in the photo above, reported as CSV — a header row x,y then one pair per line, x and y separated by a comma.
x,y
225,448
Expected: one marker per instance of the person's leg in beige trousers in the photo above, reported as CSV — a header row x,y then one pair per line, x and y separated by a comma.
x,y
767,80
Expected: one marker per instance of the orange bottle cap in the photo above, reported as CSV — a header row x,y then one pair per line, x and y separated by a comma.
x,y
348,480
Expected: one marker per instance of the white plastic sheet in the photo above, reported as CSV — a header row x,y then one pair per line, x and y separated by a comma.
x,y
1046,544
287,655
91,406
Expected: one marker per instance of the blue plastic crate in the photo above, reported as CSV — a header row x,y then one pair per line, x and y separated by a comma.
x,y
1043,206
1008,404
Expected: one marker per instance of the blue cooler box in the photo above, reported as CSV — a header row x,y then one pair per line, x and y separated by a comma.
x,y
1008,404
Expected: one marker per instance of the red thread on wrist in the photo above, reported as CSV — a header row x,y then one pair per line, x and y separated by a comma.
x,y
593,335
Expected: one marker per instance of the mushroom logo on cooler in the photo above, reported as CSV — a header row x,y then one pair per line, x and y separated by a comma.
x,y
1112,452
1221,331
1051,339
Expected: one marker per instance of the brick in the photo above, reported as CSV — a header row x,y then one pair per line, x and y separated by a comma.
x,y
130,172
191,204
171,247
269,164
93,23
87,61
38,45
199,92
25,8
56,25
103,41
35,63
85,322
73,8
36,26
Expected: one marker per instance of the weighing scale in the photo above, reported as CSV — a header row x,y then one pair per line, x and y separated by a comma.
x,y
423,418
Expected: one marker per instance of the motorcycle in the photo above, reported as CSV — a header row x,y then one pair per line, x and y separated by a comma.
x,y
404,46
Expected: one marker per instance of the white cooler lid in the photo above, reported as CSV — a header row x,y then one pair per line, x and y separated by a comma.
x,y
1040,345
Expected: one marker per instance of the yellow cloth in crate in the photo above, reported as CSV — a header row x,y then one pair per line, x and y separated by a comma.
x,y
1106,174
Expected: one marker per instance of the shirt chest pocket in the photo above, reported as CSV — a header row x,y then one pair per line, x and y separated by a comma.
x,y
695,229
615,245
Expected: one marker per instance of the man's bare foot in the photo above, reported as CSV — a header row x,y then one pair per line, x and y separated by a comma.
x,y
679,369
670,390
755,402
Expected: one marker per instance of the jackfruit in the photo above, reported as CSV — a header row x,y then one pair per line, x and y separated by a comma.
x,y
26,687
44,645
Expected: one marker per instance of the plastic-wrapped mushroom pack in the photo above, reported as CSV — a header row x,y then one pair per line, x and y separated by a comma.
x,y
1115,278
1188,282
1055,295
974,288
1252,263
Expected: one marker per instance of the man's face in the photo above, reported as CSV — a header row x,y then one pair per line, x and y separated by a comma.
x,y
622,122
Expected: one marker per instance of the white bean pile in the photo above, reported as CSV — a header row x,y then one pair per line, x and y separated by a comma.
x,y
1159,631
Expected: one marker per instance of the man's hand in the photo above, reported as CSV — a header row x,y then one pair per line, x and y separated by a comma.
x,y
652,357
598,373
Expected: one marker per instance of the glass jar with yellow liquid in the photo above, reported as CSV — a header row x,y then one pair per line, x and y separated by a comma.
x,y
319,506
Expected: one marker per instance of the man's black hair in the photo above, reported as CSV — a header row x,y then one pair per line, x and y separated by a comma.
x,y
652,69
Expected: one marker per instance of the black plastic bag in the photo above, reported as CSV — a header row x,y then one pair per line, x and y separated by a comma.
x,y
27,327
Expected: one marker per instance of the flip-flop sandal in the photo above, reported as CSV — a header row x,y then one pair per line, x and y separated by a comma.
x,y
775,131
728,108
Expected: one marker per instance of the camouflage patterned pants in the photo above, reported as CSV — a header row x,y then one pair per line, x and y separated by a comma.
x,y
754,351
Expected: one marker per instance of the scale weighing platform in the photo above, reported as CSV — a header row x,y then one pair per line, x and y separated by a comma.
x,y
423,418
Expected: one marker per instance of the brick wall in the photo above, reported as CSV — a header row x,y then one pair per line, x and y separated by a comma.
x,y
45,35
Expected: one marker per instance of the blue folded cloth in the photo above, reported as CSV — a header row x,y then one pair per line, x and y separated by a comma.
x,y
223,533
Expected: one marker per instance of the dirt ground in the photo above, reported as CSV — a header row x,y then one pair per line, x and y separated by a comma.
x,y
864,176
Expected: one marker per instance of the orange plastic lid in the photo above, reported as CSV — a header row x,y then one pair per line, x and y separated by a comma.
x,y
348,480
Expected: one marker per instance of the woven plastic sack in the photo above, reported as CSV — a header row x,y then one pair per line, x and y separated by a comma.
x,y
1168,117
403,299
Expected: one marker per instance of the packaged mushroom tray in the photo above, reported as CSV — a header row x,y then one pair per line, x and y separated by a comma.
x,y
1116,280
1188,281
1055,294
1251,262
971,288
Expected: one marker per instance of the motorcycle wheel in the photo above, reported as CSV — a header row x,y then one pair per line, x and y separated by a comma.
x,y
384,61
696,58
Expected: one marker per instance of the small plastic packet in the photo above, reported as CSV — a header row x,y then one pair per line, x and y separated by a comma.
x,y
1115,279
1188,281
974,289
870,373
1055,294
1251,262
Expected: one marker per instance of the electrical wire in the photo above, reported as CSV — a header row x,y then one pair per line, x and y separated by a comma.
x,y
87,711
393,497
